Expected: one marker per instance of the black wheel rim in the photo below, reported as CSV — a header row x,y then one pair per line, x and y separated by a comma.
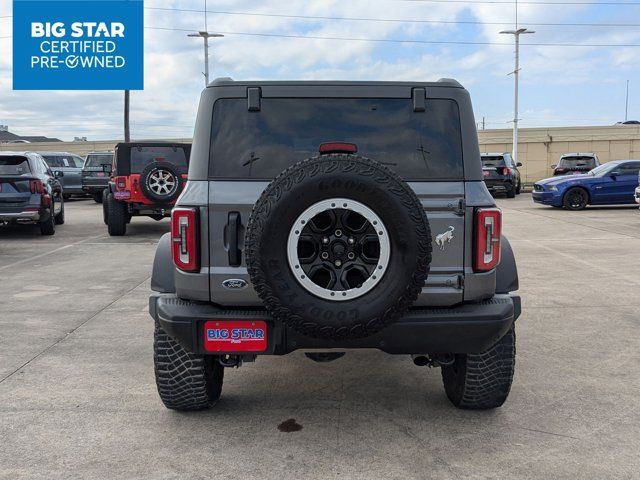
x,y
338,249
576,199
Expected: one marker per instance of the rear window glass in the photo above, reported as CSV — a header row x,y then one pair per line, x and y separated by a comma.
x,y
97,160
493,161
14,165
57,161
582,162
143,156
259,145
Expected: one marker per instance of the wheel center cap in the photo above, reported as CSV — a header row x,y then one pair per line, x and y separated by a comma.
x,y
338,249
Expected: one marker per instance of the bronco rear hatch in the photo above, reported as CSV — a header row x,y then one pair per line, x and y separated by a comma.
x,y
252,143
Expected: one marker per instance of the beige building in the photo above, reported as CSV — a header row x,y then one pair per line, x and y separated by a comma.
x,y
538,149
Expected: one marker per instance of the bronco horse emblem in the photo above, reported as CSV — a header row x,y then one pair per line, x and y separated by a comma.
x,y
445,237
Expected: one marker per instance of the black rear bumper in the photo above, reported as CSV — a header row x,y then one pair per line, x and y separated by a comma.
x,y
498,185
466,328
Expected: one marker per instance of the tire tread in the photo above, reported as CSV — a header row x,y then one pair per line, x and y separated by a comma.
x,y
486,379
185,381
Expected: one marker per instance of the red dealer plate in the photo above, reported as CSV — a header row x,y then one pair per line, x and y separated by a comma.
x,y
235,336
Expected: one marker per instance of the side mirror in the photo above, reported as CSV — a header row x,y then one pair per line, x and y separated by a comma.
x,y
58,174
614,174
519,164
106,168
554,166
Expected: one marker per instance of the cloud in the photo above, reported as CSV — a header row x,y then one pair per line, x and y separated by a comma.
x,y
551,75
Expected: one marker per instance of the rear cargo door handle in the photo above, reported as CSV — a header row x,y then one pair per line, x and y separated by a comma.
x,y
233,236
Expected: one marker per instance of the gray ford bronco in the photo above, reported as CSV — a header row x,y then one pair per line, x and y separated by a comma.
x,y
332,216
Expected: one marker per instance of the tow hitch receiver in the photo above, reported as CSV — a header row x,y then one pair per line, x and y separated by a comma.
x,y
230,336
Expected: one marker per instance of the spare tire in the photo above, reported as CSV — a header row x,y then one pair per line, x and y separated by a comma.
x,y
161,182
338,246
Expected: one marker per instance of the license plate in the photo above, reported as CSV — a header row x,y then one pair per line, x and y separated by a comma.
x,y
99,174
122,195
235,336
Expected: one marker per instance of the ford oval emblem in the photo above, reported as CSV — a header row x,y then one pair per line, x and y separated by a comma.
x,y
234,284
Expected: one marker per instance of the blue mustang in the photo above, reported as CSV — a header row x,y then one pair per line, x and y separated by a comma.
x,y
610,183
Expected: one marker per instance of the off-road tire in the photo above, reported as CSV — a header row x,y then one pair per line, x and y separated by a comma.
x,y
185,381
153,196
97,197
48,226
116,216
482,381
105,207
568,202
59,218
334,176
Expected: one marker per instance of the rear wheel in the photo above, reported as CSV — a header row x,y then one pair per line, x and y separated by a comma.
x,y
48,226
482,381
185,381
117,217
59,218
105,206
511,192
576,198
66,196
519,188
97,197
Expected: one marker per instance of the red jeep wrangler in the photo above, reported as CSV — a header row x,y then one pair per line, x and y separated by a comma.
x,y
146,178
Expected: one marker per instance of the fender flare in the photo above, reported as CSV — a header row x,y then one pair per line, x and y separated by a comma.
x,y
507,271
162,275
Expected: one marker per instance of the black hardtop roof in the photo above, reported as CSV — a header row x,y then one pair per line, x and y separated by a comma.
x,y
152,144
229,82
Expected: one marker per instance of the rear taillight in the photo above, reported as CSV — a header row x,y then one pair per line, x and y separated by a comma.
x,y
36,186
507,171
121,183
184,238
487,238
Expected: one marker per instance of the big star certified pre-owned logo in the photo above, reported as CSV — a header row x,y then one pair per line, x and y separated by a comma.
x,y
73,45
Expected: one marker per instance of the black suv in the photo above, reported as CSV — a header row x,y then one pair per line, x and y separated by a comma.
x,y
95,177
325,216
501,174
30,193
576,164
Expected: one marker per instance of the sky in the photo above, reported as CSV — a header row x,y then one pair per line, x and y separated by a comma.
x,y
560,85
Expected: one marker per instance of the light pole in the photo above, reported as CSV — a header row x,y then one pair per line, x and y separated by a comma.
x,y
516,33
626,103
206,36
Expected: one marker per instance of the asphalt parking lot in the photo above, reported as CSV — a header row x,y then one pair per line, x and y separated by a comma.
x,y
78,398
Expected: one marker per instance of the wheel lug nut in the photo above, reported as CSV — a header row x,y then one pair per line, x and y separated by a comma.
x,y
338,233
338,263
325,255
351,240
325,240
351,255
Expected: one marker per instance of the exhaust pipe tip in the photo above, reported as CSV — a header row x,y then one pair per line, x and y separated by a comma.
x,y
421,360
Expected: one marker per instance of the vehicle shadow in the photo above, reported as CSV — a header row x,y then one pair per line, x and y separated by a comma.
x,y
21,232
